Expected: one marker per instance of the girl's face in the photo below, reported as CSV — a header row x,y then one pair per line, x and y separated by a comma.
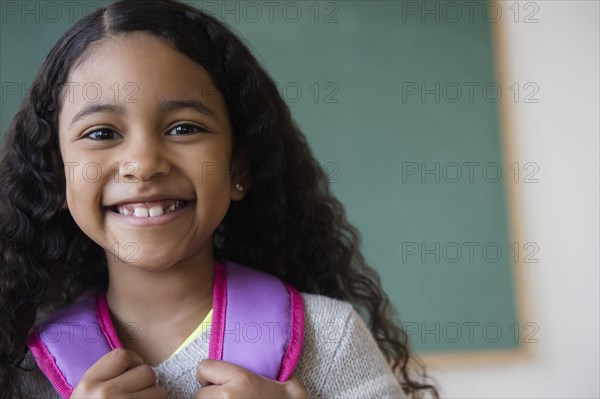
x,y
146,141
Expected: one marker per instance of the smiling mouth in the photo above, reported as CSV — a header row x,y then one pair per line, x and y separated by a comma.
x,y
149,209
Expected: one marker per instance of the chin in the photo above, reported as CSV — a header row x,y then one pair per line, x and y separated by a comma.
x,y
149,256
147,260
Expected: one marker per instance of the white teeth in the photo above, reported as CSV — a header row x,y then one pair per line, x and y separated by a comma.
x,y
141,212
155,211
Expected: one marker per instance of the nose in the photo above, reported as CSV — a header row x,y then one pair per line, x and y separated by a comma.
x,y
144,159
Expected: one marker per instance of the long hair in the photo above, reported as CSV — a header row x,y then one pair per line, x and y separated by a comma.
x,y
304,236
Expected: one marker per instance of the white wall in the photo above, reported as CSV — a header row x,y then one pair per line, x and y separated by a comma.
x,y
560,133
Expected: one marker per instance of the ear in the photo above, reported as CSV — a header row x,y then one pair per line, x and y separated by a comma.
x,y
240,177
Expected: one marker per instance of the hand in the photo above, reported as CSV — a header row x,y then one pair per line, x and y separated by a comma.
x,y
120,373
220,379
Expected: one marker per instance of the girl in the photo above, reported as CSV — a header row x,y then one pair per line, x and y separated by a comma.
x,y
189,157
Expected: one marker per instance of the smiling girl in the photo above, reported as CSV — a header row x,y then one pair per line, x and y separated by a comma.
x,y
186,158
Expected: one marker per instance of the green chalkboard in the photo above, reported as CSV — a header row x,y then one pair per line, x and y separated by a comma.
x,y
400,103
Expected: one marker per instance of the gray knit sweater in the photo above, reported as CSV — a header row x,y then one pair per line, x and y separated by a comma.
x,y
340,359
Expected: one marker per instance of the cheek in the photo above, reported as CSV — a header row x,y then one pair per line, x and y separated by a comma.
x,y
82,179
83,202
209,166
211,176
83,192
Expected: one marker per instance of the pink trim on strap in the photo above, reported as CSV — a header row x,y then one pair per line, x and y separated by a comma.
x,y
217,330
105,321
294,349
47,364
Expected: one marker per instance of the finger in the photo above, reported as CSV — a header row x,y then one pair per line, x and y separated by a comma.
x,y
210,392
136,379
156,392
217,372
113,364
294,388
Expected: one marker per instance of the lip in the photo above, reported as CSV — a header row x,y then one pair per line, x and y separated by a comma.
x,y
152,221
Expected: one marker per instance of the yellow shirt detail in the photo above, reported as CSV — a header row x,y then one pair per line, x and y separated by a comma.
x,y
197,332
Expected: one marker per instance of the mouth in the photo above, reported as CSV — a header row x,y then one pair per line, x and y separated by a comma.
x,y
149,209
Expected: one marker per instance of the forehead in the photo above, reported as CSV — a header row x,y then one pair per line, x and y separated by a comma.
x,y
137,68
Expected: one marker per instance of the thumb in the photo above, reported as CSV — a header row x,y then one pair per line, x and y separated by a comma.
x,y
216,372
294,388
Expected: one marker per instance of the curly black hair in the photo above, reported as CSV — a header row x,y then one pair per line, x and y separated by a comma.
x,y
317,250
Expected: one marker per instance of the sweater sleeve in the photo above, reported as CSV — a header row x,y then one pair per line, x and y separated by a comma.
x,y
340,358
31,383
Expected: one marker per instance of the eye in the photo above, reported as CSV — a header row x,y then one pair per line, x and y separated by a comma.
x,y
102,134
186,129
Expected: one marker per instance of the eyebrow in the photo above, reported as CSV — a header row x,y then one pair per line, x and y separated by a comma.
x,y
165,105
170,105
96,108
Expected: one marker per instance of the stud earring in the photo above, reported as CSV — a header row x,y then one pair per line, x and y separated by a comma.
x,y
239,187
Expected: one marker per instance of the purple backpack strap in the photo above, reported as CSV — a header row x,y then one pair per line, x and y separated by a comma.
x,y
257,322
71,340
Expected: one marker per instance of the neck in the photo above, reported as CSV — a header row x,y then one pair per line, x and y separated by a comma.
x,y
152,298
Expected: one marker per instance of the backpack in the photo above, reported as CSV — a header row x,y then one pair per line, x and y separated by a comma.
x,y
264,315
